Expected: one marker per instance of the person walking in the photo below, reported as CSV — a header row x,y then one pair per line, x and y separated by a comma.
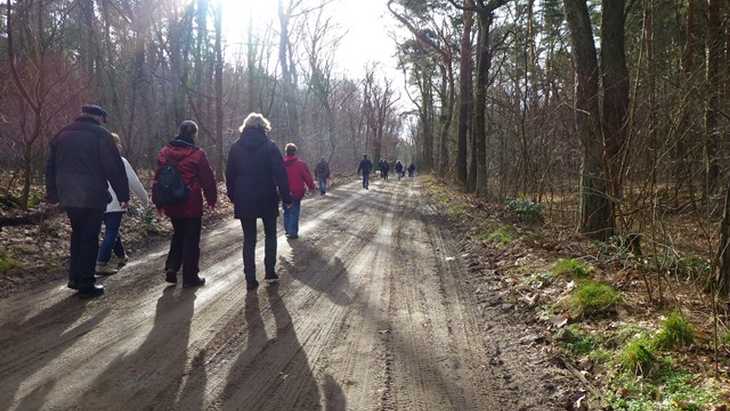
x,y
113,219
412,170
385,169
256,181
299,180
322,174
399,169
183,177
364,169
82,159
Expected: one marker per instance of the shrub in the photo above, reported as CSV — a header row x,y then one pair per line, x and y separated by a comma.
x,y
638,356
572,267
676,331
7,263
526,210
725,339
591,298
577,341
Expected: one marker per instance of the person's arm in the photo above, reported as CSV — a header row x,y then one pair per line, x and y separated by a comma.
x,y
308,178
281,179
51,188
231,176
134,184
359,167
156,179
207,180
113,167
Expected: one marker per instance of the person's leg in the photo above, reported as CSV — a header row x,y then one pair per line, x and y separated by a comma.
x,y
296,209
270,246
111,236
119,250
249,249
191,252
322,186
174,257
89,247
74,216
286,221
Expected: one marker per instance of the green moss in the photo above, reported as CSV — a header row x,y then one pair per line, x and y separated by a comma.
x,y
7,263
676,332
592,298
572,267
725,338
638,356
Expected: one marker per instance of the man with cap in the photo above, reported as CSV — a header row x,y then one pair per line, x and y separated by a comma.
x,y
82,158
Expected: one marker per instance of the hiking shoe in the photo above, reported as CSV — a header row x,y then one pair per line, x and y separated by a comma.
x,y
292,236
196,282
72,285
252,285
105,269
171,277
91,292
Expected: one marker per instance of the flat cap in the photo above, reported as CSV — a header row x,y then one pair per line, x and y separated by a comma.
x,y
94,110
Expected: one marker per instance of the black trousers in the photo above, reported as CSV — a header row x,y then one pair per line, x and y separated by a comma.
x,y
85,229
185,248
249,246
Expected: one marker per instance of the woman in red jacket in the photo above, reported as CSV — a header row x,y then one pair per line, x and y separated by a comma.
x,y
299,179
192,165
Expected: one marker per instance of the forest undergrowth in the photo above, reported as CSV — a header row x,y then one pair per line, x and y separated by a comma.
x,y
635,329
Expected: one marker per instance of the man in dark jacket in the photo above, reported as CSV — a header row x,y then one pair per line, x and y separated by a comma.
x,y
256,180
322,174
399,169
365,167
82,158
186,216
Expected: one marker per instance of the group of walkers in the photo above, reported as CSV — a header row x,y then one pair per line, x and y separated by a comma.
x,y
89,178
366,167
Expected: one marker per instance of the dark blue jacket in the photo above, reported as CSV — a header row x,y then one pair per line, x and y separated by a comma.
x,y
255,176
82,158
366,166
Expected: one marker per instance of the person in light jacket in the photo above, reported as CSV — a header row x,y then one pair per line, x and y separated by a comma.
x,y
113,220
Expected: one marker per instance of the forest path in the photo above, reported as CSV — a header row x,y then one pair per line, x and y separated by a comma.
x,y
370,315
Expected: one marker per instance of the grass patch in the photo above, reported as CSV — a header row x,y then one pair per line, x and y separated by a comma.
x,y
593,298
670,390
572,267
7,263
501,235
639,356
676,332
577,341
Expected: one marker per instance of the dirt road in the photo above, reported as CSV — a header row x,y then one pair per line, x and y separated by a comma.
x,y
371,314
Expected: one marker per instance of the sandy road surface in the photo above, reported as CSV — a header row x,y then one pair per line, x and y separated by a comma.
x,y
370,315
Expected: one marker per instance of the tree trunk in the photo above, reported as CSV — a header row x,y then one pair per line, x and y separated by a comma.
x,y
596,214
484,62
219,92
615,92
714,43
447,113
722,281
466,93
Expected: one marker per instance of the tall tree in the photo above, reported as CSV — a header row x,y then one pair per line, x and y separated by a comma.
x,y
466,91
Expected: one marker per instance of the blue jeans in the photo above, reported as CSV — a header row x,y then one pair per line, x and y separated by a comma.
x,y
322,185
112,238
365,180
291,217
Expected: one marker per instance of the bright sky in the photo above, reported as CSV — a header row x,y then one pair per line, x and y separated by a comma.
x,y
367,24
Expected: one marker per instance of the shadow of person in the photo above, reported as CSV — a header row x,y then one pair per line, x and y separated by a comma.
x,y
308,266
29,346
152,375
334,396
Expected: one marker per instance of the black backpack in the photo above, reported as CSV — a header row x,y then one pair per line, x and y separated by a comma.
x,y
170,188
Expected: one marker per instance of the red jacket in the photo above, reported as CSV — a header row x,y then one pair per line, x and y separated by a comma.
x,y
192,163
299,176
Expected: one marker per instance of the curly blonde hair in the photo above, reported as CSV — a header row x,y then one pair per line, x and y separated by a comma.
x,y
255,120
